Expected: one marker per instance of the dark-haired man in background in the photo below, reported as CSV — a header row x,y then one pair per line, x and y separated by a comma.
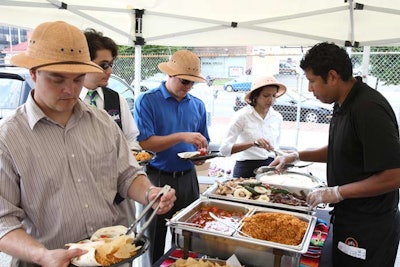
x,y
103,50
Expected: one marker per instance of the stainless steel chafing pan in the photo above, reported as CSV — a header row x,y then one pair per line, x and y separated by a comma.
x,y
250,251
211,192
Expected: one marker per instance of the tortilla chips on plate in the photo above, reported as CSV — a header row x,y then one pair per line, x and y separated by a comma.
x,y
108,245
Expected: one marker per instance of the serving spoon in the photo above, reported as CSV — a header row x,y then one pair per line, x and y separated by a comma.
x,y
169,222
215,217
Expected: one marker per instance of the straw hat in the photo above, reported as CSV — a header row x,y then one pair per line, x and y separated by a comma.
x,y
265,81
57,47
183,64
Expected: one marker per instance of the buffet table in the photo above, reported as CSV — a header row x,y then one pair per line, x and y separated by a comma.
x,y
325,259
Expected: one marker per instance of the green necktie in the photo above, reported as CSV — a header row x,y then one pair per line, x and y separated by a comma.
x,y
92,97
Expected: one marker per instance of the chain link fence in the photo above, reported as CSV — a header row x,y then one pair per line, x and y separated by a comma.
x,y
306,119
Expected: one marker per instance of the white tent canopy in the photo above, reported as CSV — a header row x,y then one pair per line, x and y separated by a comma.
x,y
220,23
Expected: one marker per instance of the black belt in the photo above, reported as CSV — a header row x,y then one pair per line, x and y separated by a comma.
x,y
176,174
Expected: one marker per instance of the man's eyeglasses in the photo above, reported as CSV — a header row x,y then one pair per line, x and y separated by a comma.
x,y
106,65
185,82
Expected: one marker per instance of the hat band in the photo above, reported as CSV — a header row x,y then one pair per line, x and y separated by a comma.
x,y
62,63
187,75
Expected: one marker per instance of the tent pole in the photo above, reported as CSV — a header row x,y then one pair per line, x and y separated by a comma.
x,y
139,42
365,63
138,70
351,10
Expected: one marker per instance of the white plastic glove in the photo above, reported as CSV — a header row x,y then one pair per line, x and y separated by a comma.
x,y
324,195
280,161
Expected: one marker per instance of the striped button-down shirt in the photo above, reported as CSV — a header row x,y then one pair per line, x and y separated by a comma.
x,y
58,182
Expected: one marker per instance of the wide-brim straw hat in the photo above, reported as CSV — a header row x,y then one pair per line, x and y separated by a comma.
x,y
263,81
183,64
57,47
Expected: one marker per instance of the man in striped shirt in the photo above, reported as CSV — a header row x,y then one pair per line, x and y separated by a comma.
x,y
62,162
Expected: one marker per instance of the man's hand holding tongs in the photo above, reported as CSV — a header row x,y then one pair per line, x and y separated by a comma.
x,y
159,200
166,199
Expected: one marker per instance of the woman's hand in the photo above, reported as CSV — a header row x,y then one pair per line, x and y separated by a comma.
x,y
263,143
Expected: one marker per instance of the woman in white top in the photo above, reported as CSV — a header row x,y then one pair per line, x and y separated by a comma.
x,y
255,129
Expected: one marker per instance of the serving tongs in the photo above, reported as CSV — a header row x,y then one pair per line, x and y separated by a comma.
x,y
277,152
264,169
139,234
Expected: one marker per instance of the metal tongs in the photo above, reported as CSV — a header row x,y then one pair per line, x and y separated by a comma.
x,y
264,169
139,234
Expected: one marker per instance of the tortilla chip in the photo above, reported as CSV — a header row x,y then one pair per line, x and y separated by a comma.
x,y
112,246
191,262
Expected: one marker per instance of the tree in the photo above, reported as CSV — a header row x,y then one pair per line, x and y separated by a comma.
x,y
152,55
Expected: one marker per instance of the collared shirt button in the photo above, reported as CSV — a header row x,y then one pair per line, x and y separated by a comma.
x,y
72,155
79,180
86,206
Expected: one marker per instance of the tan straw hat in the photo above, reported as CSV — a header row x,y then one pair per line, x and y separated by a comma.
x,y
183,64
262,81
57,47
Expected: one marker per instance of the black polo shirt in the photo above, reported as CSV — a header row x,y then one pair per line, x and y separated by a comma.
x,y
363,140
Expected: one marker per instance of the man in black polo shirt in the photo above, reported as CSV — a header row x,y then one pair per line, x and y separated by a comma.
x,y
363,161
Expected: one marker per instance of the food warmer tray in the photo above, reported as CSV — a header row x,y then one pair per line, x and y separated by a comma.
x,y
305,181
211,193
143,242
250,251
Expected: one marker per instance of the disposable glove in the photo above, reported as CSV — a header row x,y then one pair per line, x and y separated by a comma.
x,y
324,195
280,161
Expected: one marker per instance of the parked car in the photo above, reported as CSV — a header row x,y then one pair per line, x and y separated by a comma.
x,y
286,68
16,83
311,110
151,82
357,71
122,87
242,83
207,93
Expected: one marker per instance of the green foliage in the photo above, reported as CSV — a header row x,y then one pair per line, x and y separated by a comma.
x,y
152,49
152,55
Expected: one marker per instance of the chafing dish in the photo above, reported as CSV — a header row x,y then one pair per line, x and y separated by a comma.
x,y
298,190
249,251
183,220
295,182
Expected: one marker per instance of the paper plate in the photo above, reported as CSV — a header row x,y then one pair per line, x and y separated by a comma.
x,y
195,156
188,155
